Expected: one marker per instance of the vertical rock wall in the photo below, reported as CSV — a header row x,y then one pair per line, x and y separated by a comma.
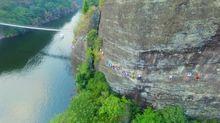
x,y
166,50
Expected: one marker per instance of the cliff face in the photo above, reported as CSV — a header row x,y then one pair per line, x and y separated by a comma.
x,y
166,50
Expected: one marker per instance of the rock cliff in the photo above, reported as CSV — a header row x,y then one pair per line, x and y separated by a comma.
x,y
166,50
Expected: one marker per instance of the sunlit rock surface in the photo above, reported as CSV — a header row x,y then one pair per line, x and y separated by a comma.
x,y
172,45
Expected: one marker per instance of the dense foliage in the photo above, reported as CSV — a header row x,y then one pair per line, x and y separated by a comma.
x,y
170,114
101,3
88,3
29,12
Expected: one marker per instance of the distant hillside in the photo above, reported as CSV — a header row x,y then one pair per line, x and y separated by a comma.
x,y
32,12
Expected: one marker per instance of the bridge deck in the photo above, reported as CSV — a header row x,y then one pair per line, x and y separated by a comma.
x,y
29,27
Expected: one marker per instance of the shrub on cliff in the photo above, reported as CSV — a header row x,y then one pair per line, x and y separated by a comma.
x,y
88,3
96,51
85,7
91,38
85,71
83,76
88,108
114,110
101,3
172,114
94,42
149,116
90,59
98,85
83,109
84,24
169,114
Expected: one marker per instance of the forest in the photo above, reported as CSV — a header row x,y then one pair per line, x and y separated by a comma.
x,y
31,12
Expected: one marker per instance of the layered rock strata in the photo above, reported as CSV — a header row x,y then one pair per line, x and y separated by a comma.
x,y
166,50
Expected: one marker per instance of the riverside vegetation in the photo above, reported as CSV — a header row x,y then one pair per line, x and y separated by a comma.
x,y
31,12
97,103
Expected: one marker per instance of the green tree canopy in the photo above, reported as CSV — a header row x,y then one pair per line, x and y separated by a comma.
x,y
114,109
85,6
29,12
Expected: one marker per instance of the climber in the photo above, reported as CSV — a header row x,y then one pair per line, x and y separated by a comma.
x,y
187,76
110,65
171,77
139,77
197,76
101,51
113,67
206,76
126,74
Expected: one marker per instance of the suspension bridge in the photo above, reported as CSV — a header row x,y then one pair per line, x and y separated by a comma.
x,y
29,27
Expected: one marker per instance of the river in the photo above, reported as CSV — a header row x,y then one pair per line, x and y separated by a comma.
x,y
36,79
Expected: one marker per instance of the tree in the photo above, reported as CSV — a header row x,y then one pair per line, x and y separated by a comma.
x,y
169,114
83,109
83,75
91,38
172,114
114,110
101,3
85,6
98,85
149,116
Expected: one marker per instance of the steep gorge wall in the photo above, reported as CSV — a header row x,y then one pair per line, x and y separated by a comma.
x,y
172,45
